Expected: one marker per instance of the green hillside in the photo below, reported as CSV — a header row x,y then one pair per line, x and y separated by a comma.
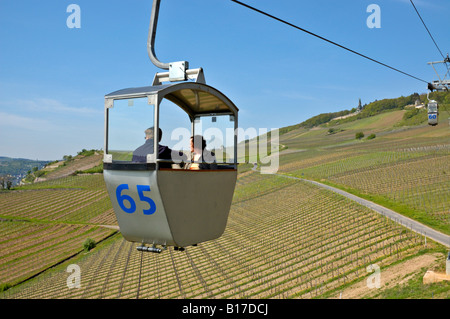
x,y
18,166
378,107
13,170
371,165
285,238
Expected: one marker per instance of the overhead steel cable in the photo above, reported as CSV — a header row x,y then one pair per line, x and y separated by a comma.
x,y
325,39
423,22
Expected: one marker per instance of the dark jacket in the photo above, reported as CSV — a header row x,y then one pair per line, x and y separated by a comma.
x,y
164,152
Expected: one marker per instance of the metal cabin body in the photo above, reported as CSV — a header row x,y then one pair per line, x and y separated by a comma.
x,y
433,112
168,206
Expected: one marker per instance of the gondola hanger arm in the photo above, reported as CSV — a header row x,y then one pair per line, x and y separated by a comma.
x,y
177,70
152,36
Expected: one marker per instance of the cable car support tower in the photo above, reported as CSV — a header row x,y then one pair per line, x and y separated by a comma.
x,y
442,84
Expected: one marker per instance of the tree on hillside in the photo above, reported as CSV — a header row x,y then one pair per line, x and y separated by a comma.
x,y
359,135
67,158
6,181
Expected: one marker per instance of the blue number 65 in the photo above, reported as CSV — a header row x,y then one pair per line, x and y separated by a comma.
x,y
122,198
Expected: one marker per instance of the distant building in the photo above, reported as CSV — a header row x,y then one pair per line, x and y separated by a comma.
x,y
418,104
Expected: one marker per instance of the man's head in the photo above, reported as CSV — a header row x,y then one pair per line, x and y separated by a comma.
x,y
150,133
198,144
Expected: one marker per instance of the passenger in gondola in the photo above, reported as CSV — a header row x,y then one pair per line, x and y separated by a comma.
x,y
201,158
164,152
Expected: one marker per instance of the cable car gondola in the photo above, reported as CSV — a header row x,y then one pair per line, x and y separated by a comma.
x,y
155,204
433,112
440,85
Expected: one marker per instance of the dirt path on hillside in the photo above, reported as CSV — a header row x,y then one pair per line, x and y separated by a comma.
x,y
397,274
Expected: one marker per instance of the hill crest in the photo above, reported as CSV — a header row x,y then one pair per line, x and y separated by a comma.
x,y
373,108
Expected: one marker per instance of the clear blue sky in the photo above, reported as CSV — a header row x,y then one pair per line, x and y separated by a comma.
x,y
53,79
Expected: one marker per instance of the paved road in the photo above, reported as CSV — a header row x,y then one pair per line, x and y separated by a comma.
x,y
405,221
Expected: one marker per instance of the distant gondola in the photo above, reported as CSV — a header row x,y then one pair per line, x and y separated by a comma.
x,y
433,112
440,85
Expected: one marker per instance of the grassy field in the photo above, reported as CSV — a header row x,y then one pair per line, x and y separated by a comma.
x,y
47,222
285,238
